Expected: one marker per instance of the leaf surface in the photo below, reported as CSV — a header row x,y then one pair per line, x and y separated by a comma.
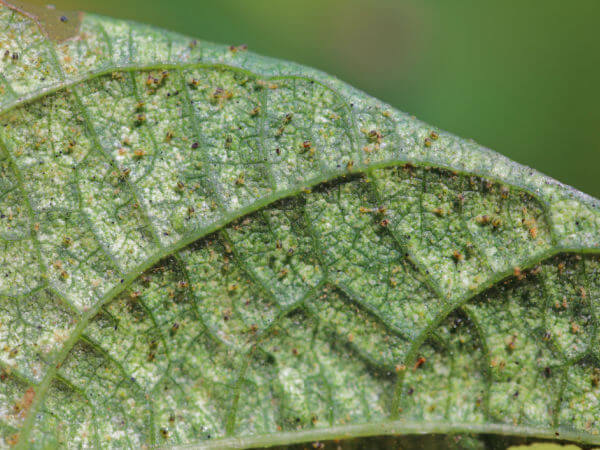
x,y
200,245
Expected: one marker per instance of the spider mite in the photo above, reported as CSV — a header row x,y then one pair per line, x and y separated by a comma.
x,y
419,362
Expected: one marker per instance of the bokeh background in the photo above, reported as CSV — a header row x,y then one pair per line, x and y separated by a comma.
x,y
519,76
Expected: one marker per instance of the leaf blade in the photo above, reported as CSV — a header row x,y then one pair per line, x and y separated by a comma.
x,y
124,208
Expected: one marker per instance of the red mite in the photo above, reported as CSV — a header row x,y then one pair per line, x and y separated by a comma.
x,y
419,362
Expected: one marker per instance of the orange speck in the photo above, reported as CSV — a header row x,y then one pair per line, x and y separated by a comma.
x,y
419,362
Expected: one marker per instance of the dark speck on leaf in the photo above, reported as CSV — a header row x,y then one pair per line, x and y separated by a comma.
x,y
64,19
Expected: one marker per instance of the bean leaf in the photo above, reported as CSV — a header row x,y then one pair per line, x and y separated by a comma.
x,y
200,245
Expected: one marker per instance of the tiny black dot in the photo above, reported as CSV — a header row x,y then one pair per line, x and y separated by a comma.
x,y
64,19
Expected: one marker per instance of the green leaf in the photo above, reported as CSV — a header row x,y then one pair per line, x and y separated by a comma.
x,y
200,245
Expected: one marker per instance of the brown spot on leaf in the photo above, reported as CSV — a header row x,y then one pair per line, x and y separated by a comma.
x,y
21,408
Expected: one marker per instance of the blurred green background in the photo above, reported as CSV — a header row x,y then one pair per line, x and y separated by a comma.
x,y
519,76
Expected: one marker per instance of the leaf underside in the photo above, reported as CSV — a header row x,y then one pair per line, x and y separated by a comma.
x,y
199,245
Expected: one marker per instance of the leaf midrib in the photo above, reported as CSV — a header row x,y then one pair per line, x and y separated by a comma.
x,y
128,68
388,428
